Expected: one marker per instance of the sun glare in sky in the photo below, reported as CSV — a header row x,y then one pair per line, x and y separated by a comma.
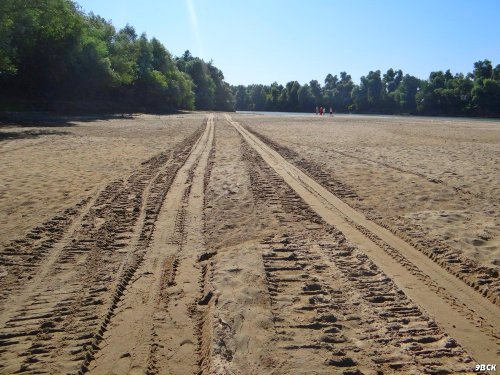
x,y
262,41
195,28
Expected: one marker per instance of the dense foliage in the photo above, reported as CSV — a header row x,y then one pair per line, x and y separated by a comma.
x,y
476,94
51,54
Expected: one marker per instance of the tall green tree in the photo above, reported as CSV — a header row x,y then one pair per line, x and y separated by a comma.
x,y
204,85
224,99
292,90
306,99
316,92
44,36
258,97
50,51
345,88
406,92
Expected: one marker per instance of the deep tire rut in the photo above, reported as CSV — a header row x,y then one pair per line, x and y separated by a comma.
x,y
484,279
231,261
321,287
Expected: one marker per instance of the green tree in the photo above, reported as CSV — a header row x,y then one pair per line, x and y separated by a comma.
x,y
44,36
258,97
391,81
292,100
306,99
483,69
406,93
241,98
374,90
272,100
331,82
486,97
92,75
430,99
224,99
317,92
123,55
204,85
496,73
345,89
7,52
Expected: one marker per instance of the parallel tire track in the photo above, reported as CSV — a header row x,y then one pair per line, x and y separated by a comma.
x,y
484,279
157,323
60,324
321,287
21,259
457,320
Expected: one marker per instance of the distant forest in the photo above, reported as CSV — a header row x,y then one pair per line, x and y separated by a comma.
x,y
53,56
443,93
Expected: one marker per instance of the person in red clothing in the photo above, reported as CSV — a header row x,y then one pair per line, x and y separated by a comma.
x,y
321,111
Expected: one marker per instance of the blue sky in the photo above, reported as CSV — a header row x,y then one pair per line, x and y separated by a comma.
x,y
258,41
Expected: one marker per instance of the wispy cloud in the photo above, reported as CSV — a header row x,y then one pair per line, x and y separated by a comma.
x,y
194,26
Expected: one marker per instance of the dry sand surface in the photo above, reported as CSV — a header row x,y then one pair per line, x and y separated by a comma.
x,y
441,176
249,244
53,165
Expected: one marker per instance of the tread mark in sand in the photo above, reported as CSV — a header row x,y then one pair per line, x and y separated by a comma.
x,y
61,324
164,330
484,279
457,321
316,313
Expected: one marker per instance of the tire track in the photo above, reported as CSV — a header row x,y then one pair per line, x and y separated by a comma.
x,y
22,259
240,317
157,324
482,278
481,345
65,313
464,192
334,310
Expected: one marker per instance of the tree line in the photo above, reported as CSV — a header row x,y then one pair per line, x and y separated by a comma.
x,y
443,93
51,52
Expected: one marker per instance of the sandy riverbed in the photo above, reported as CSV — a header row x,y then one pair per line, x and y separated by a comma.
x,y
51,166
234,244
440,176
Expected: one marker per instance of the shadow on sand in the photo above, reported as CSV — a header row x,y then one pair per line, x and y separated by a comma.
x,y
7,136
12,120
49,120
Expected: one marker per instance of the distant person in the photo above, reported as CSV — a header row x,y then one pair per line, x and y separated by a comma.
x,y
321,111
331,111
317,110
